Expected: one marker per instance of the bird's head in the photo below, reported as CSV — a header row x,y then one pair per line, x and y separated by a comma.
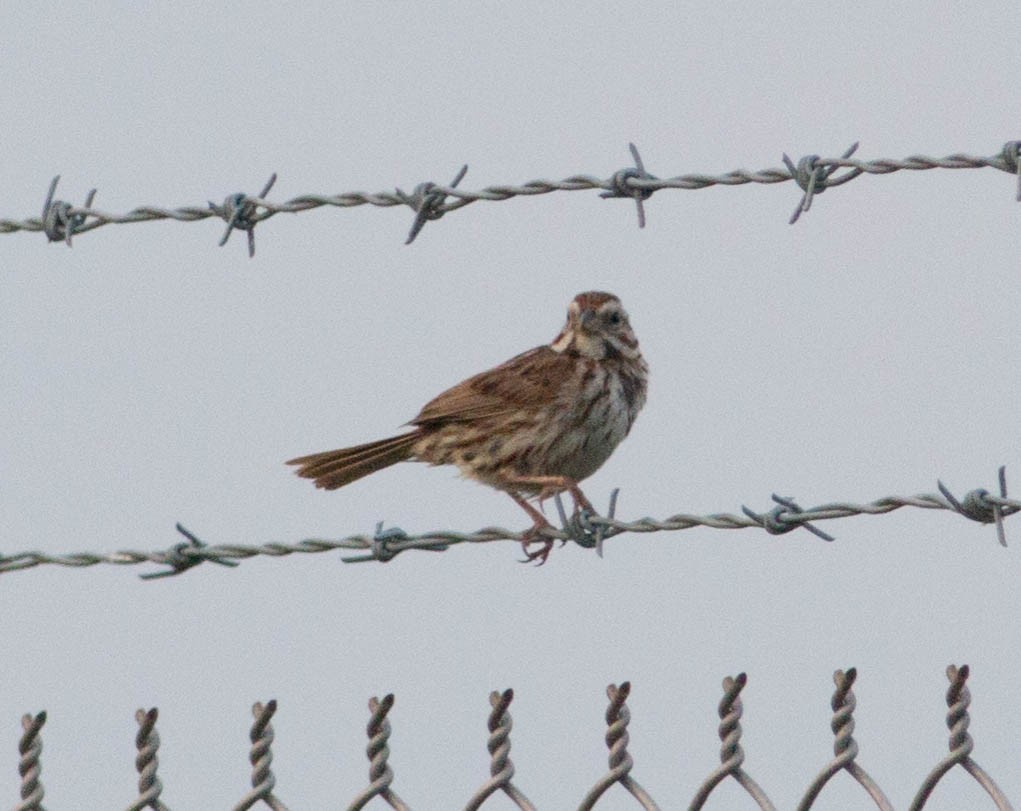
x,y
597,327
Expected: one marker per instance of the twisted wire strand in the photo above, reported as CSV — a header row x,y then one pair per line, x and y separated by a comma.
x,y
618,716
501,768
430,201
731,753
261,758
30,747
845,747
378,751
587,530
961,745
147,742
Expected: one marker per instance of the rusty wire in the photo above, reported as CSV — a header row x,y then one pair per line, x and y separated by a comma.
x,y
617,717
813,174
589,531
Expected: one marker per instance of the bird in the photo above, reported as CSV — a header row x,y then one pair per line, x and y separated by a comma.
x,y
533,427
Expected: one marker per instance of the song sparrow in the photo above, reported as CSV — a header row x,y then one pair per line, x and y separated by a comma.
x,y
534,426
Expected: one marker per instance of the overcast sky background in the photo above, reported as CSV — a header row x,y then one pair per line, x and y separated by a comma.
x,y
151,377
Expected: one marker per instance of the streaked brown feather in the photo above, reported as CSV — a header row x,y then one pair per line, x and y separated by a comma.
x,y
333,469
525,380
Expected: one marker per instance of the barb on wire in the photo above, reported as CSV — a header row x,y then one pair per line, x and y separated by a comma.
x,y
579,527
813,177
982,506
427,200
1011,154
784,517
179,562
60,220
812,174
241,212
622,186
961,745
386,544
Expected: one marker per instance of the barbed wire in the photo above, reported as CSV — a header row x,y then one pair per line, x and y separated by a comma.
x,y
587,530
813,174
621,763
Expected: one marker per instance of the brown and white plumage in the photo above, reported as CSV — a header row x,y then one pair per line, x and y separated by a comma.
x,y
535,425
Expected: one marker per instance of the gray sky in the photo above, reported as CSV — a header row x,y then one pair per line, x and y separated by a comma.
x,y
151,377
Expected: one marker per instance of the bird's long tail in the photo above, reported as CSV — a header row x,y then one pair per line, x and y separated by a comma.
x,y
333,469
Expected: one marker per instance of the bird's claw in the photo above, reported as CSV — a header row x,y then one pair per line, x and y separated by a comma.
x,y
533,536
539,556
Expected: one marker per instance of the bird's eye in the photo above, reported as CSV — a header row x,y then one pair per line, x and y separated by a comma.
x,y
615,318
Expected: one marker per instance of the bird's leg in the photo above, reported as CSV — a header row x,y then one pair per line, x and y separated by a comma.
x,y
534,535
549,486
580,502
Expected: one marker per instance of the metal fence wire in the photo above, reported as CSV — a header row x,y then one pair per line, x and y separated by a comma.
x,y
501,778
813,174
60,221
586,529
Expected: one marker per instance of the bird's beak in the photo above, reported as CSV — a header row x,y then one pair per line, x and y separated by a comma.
x,y
586,318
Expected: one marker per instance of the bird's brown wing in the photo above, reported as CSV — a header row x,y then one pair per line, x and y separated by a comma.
x,y
529,379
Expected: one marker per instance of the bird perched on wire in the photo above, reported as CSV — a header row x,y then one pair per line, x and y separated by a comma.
x,y
533,427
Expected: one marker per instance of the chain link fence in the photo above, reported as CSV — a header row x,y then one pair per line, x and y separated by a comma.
x,y
501,778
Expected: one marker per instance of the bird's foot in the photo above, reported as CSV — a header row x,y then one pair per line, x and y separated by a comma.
x,y
535,536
